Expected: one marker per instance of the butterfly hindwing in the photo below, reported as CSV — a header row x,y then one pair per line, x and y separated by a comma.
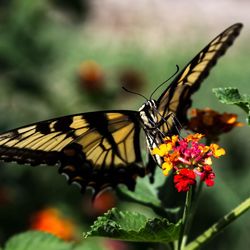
x,y
176,98
95,149
106,156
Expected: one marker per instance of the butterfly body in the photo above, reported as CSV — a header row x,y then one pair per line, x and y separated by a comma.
x,y
151,123
102,149
148,115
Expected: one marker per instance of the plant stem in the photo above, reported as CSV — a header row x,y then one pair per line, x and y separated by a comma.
x,y
185,217
195,202
219,226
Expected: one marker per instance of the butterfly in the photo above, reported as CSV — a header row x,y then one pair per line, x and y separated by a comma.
x,y
102,149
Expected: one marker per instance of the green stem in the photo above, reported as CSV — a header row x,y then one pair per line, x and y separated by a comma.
x,y
194,207
216,228
185,217
175,245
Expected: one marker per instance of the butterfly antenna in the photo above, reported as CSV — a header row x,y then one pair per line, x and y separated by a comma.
x,y
177,69
131,92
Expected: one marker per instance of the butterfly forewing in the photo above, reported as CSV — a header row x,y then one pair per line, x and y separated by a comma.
x,y
176,98
94,149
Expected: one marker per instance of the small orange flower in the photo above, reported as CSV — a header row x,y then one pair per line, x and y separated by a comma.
x,y
208,161
217,152
194,137
162,149
50,220
167,166
211,123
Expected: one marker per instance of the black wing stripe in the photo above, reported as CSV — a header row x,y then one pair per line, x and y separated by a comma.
x,y
38,140
123,145
136,140
100,123
98,158
97,141
31,157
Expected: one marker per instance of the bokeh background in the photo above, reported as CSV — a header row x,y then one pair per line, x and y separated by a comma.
x,y
60,57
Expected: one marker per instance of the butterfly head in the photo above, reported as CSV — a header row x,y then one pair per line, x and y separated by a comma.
x,y
148,114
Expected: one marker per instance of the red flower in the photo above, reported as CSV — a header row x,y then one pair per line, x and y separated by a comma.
x,y
208,176
184,179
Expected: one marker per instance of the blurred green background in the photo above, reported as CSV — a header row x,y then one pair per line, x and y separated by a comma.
x,y
60,57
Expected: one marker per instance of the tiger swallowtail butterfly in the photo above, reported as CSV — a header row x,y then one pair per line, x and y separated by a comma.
x,y
102,149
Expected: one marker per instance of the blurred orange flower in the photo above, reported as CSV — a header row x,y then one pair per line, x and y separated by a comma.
x,y
51,221
91,76
131,79
211,123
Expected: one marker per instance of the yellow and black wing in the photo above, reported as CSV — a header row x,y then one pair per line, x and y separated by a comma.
x,y
96,149
176,98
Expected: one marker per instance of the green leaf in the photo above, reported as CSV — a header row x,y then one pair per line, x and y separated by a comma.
x,y
35,240
146,193
131,226
232,96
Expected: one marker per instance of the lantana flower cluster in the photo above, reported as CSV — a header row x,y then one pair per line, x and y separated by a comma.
x,y
189,159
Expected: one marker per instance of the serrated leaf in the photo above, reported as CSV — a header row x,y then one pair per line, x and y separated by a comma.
x,y
36,240
228,95
131,226
232,96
